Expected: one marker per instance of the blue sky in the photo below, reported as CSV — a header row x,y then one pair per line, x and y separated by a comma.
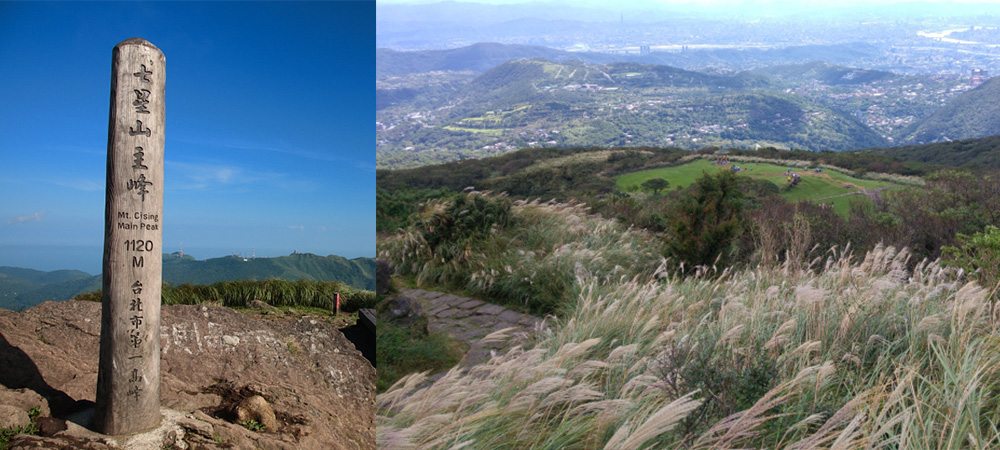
x,y
268,127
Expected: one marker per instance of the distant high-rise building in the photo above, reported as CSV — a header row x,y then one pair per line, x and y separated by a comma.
x,y
644,50
979,76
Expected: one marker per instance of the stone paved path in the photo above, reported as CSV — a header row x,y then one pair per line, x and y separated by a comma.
x,y
469,320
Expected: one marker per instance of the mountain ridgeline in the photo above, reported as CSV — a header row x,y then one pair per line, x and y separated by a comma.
x,y
972,114
537,102
23,288
445,105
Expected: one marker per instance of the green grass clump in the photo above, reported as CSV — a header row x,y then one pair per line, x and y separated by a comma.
x,y
532,266
253,425
405,350
275,292
7,433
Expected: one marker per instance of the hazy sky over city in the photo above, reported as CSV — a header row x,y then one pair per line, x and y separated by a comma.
x,y
268,127
655,9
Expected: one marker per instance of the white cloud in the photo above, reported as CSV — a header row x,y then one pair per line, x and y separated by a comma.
x,y
81,185
205,175
283,148
297,227
36,217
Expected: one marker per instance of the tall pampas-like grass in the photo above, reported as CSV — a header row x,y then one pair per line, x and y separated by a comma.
x,y
851,352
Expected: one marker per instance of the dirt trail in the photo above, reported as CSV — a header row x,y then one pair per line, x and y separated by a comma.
x,y
874,194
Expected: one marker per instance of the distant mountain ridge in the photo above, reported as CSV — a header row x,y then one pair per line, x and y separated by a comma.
x,y
538,102
483,56
825,73
479,57
979,152
23,288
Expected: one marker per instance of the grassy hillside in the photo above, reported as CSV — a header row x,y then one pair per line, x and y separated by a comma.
x,y
825,73
20,288
833,349
981,153
17,292
863,353
535,102
813,185
973,114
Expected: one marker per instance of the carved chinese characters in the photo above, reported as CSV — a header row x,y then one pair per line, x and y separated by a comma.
x,y
128,383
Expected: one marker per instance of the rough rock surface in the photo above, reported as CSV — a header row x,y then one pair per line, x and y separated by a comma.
x,y
256,408
12,417
405,310
320,387
383,277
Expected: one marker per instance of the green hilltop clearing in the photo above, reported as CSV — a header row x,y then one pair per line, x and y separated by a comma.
x,y
814,185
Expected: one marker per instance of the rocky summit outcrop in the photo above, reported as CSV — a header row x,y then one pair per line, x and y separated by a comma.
x,y
318,386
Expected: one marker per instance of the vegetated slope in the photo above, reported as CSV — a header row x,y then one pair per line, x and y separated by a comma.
x,y
42,277
525,103
812,185
17,292
642,357
670,362
825,73
18,285
973,114
980,152
530,79
357,272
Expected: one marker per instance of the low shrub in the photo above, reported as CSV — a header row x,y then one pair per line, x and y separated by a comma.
x,y
404,350
275,292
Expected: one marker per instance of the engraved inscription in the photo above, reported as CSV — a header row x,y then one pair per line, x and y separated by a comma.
x,y
140,185
137,164
135,338
143,73
141,101
138,129
138,245
134,392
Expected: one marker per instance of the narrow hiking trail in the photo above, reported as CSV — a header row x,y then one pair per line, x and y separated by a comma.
x,y
469,320
874,194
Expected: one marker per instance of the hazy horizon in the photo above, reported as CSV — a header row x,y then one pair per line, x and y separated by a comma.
x,y
427,25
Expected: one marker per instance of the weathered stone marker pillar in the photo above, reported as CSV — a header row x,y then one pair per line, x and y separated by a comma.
x,y
128,379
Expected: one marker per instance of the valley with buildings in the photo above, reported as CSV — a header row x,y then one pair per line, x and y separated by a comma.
x,y
781,82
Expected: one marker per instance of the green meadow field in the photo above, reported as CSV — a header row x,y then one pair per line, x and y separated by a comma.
x,y
813,185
